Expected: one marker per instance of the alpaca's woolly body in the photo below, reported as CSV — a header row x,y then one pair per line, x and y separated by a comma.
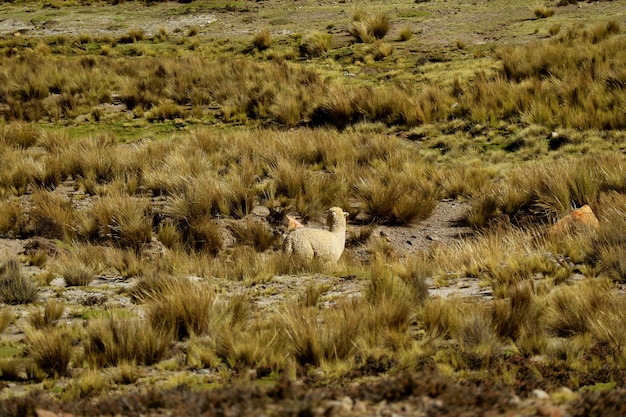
x,y
323,245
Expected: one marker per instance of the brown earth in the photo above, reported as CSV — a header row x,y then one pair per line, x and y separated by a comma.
x,y
438,24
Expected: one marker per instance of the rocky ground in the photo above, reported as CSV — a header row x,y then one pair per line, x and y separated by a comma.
x,y
366,391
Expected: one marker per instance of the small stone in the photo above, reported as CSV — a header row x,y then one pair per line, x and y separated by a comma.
x,y
346,404
261,211
541,394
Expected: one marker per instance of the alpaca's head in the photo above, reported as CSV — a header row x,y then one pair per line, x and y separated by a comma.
x,y
336,217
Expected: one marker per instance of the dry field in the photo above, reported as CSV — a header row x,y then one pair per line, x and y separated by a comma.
x,y
150,153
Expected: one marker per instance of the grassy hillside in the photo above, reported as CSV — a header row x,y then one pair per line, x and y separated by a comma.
x,y
150,153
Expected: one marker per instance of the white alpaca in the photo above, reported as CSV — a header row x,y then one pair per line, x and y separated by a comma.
x,y
323,245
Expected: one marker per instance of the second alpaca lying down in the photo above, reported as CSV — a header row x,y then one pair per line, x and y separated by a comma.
x,y
323,245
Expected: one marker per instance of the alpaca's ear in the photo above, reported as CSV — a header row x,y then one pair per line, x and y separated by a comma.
x,y
346,214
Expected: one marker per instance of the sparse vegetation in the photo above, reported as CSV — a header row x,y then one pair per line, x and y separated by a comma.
x,y
48,316
542,11
118,341
171,163
50,349
15,286
315,44
367,28
262,40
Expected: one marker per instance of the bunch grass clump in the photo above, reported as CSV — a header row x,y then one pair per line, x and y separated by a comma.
x,y
253,233
11,219
48,316
90,383
547,192
406,33
315,44
119,219
6,318
262,40
19,134
393,197
50,349
542,11
15,286
391,302
117,341
381,50
573,310
75,272
312,342
183,310
52,216
367,28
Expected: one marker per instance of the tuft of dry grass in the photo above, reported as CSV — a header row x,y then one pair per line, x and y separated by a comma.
x,y
312,341
120,219
126,263
183,310
542,11
406,33
19,134
254,233
75,272
262,40
15,286
51,349
11,219
52,216
391,303
90,383
149,286
10,369
519,313
166,110
6,318
440,318
554,30
381,50
573,309
367,28
256,349
133,35
126,373
602,31
48,316
204,235
395,197
118,341
413,271
475,327
315,44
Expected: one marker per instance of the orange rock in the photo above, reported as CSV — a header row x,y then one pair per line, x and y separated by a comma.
x,y
293,223
582,217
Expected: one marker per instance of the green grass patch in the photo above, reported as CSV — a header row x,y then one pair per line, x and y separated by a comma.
x,y
99,313
9,351
415,14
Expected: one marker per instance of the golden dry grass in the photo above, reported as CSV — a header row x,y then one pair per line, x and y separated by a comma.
x,y
521,133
